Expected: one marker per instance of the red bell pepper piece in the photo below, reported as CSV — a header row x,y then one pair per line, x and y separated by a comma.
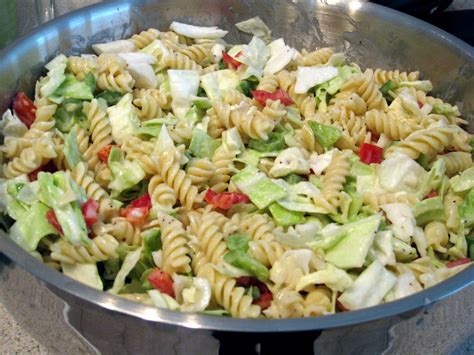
x,y
161,281
369,153
137,211
265,298
458,262
262,96
142,201
24,108
229,61
225,200
104,153
51,217
89,211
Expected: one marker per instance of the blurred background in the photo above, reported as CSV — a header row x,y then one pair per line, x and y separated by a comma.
x,y
18,17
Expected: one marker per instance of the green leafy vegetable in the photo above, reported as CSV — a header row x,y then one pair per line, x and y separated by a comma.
x,y
89,80
238,242
72,88
242,260
430,209
293,179
466,210
326,136
151,242
71,150
202,145
125,173
111,97
246,86
274,143
389,85
284,217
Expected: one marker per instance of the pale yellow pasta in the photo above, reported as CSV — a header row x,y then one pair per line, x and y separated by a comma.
x,y
268,83
144,38
456,162
437,236
81,66
123,230
229,296
363,84
319,56
200,171
200,53
286,303
318,302
266,251
376,200
102,247
381,76
112,75
386,123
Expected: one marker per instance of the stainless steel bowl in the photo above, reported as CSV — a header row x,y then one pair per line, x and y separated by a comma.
x,y
70,317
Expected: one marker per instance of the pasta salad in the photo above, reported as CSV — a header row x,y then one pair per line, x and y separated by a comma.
x,y
245,180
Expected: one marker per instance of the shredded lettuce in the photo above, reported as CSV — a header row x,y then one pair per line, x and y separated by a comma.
x,y
218,82
430,209
192,31
152,128
57,192
369,288
309,77
326,136
202,145
125,173
128,264
284,217
255,26
463,182
71,150
73,89
123,119
260,189
334,278
87,274
32,227
274,143
352,250
55,76
242,260
184,85
466,210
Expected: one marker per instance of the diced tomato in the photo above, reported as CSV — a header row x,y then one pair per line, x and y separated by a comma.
x,y
51,217
262,96
24,108
432,194
224,200
104,153
264,301
136,215
49,167
142,201
89,211
229,61
138,210
369,153
420,104
161,281
458,262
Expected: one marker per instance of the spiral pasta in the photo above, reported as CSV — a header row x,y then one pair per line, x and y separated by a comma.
x,y
141,151
268,83
161,194
427,141
364,86
318,302
81,66
101,248
144,38
112,76
225,293
381,76
175,250
386,123
200,171
199,53
456,162
319,56
333,182
266,251
437,236
286,303
123,230
176,178
377,200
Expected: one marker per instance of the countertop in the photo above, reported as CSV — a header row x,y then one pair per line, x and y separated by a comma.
x,y
446,327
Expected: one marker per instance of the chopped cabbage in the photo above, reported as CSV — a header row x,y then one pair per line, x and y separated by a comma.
x,y
11,125
218,82
255,26
312,76
123,119
369,288
280,56
183,85
402,219
441,274
255,55
401,173
192,31
120,46
128,264
334,278
290,261
88,274
290,160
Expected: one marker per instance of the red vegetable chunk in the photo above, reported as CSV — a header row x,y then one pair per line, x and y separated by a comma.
x,y
262,96
225,200
104,153
369,153
89,211
161,281
24,108
229,61
458,262
51,217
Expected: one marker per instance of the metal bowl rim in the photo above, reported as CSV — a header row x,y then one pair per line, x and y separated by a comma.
x,y
114,303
